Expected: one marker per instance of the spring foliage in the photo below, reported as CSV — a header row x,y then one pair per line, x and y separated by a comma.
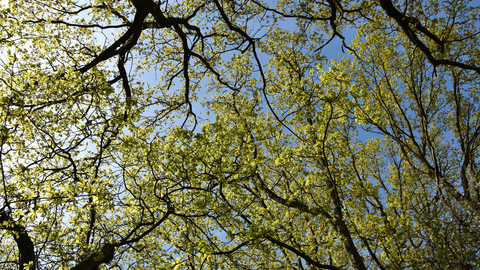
x,y
304,161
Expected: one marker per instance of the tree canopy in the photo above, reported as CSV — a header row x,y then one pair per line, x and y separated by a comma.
x,y
368,160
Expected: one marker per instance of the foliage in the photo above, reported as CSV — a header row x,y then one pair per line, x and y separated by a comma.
x,y
367,161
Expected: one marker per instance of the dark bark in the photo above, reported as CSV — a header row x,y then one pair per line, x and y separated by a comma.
x,y
406,24
93,260
301,254
26,252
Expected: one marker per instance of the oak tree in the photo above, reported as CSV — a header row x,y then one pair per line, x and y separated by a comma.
x,y
368,160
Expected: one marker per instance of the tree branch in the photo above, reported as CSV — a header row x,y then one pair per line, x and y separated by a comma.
x,y
403,21
92,261
24,243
